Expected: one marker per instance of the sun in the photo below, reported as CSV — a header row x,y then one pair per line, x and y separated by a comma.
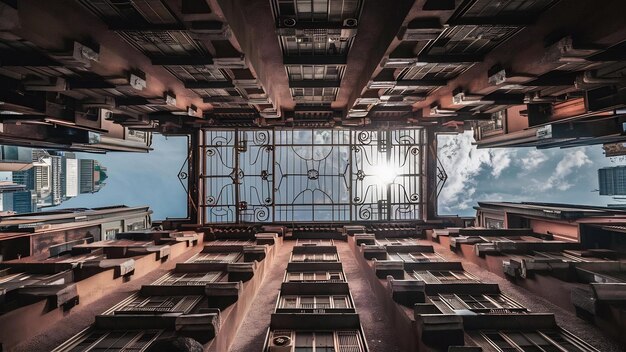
x,y
384,173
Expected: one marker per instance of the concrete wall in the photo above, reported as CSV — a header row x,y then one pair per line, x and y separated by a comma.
x,y
564,230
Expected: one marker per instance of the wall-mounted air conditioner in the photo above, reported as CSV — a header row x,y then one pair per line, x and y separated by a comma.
x,y
350,22
280,343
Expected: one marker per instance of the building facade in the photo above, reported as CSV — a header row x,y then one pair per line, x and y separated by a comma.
x,y
376,287
612,181
46,234
312,175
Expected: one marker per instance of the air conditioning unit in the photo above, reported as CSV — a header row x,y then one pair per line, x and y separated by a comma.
x,y
288,22
280,343
137,82
350,22
106,114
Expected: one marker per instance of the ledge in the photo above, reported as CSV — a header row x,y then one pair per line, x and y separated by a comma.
x,y
57,295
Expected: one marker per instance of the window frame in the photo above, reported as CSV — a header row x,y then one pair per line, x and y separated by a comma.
x,y
440,276
173,278
336,336
169,304
328,276
314,257
563,335
511,305
415,257
215,257
101,335
330,305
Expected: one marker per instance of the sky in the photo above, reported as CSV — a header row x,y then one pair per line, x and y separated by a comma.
x,y
136,179
518,174
497,174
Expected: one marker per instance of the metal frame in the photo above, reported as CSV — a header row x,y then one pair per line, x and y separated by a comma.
x,y
310,175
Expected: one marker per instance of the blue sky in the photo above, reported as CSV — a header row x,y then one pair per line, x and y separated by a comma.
x,y
141,179
518,174
500,174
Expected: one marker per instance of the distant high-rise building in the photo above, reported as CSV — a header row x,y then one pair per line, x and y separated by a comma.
x,y
15,198
86,175
21,202
69,176
48,178
25,177
92,176
612,181
14,158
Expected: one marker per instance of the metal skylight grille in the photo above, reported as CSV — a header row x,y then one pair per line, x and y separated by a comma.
x,y
311,175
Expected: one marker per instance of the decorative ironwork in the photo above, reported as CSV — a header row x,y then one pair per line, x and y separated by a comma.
x,y
398,150
183,177
302,175
442,177
313,174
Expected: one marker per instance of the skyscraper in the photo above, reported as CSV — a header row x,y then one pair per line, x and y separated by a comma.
x,y
612,181
92,175
50,178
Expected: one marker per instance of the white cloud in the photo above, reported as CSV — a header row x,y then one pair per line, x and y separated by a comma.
x,y
572,161
533,159
500,160
463,162
521,174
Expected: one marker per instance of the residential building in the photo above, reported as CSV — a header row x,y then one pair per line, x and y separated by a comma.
x,y
49,233
311,173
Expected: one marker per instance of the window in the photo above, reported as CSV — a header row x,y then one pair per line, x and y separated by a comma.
x,y
444,276
415,257
535,341
216,257
396,241
314,72
314,94
494,223
197,73
323,341
110,234
230,243
314,257
182,304
321,276
480,303
319,10
111,341
188,279
136,225
314,302
314,243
